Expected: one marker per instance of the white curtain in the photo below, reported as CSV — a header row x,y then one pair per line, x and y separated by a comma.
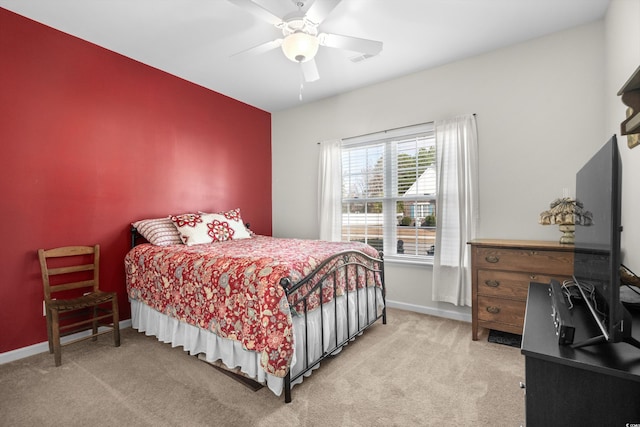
x,y
456,208
330,190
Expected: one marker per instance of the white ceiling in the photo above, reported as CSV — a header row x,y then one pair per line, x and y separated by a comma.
x,y
195,39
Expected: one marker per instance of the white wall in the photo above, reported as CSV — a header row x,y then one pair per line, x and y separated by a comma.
x,y
622,59
540,116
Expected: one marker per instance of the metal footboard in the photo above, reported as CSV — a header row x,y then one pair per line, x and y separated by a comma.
x,y
327,274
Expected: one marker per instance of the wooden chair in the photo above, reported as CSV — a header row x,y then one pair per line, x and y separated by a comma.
x,y
73,300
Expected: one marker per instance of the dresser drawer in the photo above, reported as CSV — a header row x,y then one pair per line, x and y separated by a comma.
x,y
506,284
501,310
525,260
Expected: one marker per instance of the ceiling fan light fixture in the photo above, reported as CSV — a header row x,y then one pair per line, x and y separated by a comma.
x,y
300,46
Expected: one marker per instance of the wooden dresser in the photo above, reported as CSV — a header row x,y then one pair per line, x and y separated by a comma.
x,y
501,273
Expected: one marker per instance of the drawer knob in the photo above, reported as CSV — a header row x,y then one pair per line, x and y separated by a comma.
x,y
533,277
493,309
492,258
492,283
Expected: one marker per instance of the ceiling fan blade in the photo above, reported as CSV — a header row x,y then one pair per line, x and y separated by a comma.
x,y
320,9
310,71
365,46
261,48
258,11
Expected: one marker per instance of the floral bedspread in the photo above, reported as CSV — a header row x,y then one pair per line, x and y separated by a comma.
x,y
232,288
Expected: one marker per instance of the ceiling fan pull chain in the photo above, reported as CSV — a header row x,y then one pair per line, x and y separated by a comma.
x,y
301,83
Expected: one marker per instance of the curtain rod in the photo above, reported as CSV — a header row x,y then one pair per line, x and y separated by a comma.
x,y
385,131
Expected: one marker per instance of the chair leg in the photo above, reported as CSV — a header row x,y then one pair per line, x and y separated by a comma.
x,y
116,322
49,329
94,329
56,337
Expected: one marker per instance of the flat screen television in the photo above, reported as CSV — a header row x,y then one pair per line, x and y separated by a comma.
x,y
597,256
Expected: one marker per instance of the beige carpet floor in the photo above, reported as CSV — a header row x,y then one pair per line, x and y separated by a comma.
x,y
417,370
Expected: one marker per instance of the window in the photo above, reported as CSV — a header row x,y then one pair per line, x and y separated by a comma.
x,y
389,191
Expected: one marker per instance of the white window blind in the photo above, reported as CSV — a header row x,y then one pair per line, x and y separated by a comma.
x,y
389,191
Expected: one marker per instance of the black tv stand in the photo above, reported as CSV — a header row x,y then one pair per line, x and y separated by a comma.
x,y
594,386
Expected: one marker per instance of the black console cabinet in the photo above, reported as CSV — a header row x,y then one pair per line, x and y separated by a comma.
x,y
591,386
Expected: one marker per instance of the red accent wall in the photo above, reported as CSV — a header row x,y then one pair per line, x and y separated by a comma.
x,y
91,141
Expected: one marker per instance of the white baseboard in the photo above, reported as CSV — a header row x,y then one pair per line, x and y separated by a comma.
x,y
43,347
430,310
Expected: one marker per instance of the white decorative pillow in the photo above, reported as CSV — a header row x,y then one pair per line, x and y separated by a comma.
x,y
234,217
235,221
201,228
158,231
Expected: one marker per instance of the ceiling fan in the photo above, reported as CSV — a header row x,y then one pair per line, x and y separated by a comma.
x,y
300,38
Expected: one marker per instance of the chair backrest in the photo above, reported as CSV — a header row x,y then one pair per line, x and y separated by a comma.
x,y
69,268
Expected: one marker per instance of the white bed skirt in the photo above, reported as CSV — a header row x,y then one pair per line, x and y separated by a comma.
x,y
213,348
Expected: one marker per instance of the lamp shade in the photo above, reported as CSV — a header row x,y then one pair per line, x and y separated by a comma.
x,y
300,47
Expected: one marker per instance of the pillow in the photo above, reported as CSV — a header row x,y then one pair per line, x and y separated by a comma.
x,y
195,229
235,221
234,214
158,231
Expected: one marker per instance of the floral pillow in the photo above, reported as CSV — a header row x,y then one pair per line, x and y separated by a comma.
x,y
201,228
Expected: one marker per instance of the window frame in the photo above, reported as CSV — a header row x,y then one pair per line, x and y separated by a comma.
x,y
389,140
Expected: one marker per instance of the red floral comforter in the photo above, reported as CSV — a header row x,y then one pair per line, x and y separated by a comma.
x,y
232,288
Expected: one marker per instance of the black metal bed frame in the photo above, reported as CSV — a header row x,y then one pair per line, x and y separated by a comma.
x,y
331,268
336,265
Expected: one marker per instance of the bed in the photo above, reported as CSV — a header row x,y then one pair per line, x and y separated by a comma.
x,y
271,309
